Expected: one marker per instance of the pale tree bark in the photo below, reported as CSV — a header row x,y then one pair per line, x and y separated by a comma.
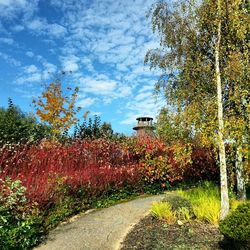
x,y
241,190
221,143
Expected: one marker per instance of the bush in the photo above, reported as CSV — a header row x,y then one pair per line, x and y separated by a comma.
x,y
169,165
20,224
236,226
95,167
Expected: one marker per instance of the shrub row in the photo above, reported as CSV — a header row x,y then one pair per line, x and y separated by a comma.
x,y
97,166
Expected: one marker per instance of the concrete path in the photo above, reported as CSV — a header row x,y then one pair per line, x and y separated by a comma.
x,y
102,229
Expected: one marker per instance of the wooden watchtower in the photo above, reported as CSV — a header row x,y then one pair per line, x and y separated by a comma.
x,y
144,126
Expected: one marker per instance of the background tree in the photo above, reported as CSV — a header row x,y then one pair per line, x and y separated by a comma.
x,y
57,109
18,127
93,129
172,127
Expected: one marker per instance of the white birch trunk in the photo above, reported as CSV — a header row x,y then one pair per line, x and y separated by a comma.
x,y
241,190
221,143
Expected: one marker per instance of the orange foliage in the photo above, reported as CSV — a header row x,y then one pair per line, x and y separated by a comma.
x,y
56,109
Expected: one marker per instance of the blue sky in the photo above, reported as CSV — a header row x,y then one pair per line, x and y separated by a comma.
x,y
103,44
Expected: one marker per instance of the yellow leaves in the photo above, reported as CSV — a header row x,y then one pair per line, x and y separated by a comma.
x,y
57,109
234,68
182,152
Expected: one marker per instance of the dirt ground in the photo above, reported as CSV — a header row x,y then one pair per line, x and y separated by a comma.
x,y
153,234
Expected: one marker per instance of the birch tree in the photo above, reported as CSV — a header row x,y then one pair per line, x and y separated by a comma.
x,y
194,55
221,142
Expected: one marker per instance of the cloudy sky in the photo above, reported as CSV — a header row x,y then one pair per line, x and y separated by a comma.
x,y
103,44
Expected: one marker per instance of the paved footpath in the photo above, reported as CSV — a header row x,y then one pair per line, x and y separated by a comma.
x,y
102,229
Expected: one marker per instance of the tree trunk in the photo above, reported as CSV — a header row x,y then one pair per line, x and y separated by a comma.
x,y
241,190
221,144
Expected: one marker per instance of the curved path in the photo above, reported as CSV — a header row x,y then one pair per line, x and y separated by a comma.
x,y
102,229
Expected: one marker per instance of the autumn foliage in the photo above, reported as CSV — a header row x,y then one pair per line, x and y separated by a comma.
x,y
56,109
168,165
98,167
92,166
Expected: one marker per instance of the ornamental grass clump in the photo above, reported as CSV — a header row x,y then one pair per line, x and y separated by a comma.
x,y
163,211
181,206
205,201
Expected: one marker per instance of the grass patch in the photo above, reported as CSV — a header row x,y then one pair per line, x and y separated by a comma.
x,y
205,201
163,210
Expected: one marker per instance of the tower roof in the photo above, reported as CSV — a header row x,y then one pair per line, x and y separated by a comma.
x,y
144,118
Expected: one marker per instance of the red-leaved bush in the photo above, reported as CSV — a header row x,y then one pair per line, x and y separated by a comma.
x,y
164,164
98,167
92,166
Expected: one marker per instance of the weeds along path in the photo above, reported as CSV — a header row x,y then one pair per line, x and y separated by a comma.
x,y
102,229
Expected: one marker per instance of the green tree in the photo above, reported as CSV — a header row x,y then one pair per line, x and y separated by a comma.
x,y
172,127
18,127
93,129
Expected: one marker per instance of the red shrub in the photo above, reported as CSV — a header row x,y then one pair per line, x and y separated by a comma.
x,y
94,166
97,167
163,164
203,165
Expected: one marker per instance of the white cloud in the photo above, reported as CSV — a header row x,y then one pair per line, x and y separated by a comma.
x,y
130,119
56,30
143,104
10,8
70,66
37,24
18,28
33,74
84,103
147,87
29,53
143,96
12,2
41,26
6,40
34,77
124,91
51,68
97,86
88,64
30,69
12,61
70,63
